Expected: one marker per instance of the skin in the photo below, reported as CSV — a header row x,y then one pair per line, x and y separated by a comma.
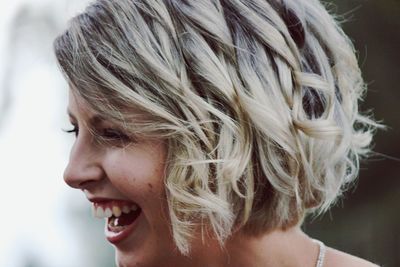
x,y
135,171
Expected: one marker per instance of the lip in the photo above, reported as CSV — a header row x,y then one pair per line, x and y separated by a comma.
x,y
116,238
103,200
108,202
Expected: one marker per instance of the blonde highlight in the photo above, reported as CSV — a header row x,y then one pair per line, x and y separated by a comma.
x,y
257,100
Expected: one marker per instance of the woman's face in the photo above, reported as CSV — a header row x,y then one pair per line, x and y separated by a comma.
x,y
124,181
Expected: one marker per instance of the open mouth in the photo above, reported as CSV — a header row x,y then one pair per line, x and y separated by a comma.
x,y
120,218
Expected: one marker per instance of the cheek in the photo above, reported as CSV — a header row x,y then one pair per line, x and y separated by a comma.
x,y
138,172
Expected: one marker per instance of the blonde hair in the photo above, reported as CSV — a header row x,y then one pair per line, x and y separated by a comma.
x,y
257,100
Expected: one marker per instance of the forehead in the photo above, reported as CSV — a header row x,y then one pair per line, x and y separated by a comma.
x,y
93,115
79,108
76,103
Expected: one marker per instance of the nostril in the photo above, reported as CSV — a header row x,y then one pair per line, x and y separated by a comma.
x,y
68,178
76,178
72,182
84,166
81,173
86,185
80,181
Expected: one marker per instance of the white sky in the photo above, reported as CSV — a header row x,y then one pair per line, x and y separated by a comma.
x,y
34,201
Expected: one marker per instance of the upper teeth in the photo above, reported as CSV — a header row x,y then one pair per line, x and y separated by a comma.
x,y
106,212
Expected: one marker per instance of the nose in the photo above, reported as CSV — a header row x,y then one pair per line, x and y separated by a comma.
x,y
84,167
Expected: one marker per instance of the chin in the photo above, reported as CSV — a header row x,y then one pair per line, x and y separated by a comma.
x,y
124,260
148,257
135,259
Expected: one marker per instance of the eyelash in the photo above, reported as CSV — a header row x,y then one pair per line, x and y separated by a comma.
x,y
106,134
74,130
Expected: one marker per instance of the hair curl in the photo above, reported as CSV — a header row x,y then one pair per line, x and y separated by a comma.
x,y
257,100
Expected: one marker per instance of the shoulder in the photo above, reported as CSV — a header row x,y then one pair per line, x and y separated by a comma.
x,y
336,258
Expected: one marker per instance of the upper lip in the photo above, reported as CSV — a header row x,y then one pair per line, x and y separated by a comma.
x,y
103,199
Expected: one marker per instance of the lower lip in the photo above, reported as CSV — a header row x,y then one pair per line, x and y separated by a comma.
x,y
115,238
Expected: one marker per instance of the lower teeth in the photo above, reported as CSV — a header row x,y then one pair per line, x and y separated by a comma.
x,y
118,224
113,225
113,221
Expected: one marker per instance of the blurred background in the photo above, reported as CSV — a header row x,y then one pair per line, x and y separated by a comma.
x,y
46,224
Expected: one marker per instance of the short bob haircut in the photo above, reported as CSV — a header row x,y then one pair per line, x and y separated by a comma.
x,y
257,101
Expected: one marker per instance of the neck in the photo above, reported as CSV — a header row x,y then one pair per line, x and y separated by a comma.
x,y
277,248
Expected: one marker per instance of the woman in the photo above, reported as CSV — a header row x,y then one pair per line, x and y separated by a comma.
x,y
207,130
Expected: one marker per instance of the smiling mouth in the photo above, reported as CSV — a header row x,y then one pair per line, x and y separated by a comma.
x,y
120,218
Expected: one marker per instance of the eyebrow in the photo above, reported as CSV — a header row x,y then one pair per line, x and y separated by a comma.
x,y
96,119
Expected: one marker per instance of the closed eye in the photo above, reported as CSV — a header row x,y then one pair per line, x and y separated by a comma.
x,y
113,134
106,135
113,137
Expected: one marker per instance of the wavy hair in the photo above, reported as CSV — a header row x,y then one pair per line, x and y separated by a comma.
x,y
256,99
